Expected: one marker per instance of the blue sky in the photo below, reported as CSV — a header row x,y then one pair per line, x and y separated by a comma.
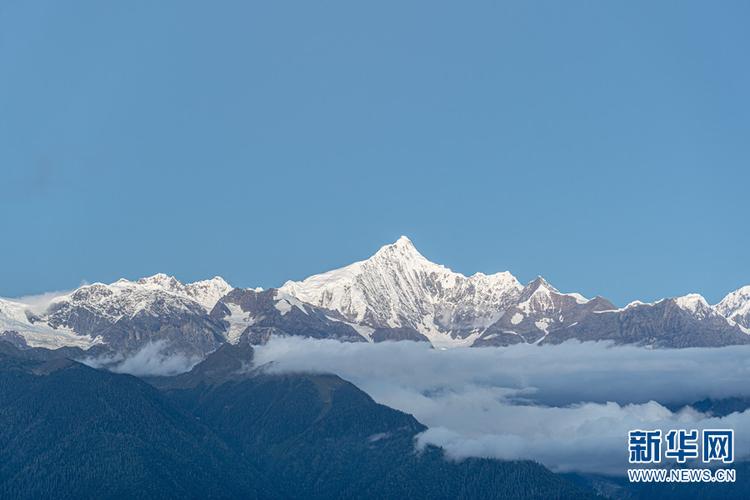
x,y
604,145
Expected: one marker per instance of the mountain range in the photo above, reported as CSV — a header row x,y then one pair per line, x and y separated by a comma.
x,y
396,294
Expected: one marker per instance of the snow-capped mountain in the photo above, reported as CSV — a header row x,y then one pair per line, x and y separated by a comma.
x,y
736,306
399,288
540,309
206,292
123,315
396,294
687,321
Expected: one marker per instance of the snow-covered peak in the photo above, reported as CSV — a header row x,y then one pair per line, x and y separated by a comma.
x,y
695,304
402,242
539,285
152,294
736,302
502,280
691,302
403,252
160,280
399,287
537,296
736,306
91,311
206,292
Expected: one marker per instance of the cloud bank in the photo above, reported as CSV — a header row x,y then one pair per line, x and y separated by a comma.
x,y
569,406
153,359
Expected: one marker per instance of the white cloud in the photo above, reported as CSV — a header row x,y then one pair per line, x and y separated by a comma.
x,y
153,359
40,302
568,406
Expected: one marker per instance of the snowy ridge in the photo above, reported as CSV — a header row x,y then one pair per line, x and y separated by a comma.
x,y
207,292
539,311
736,306
399,287
151,294
75,318
695,304
396,294
631,305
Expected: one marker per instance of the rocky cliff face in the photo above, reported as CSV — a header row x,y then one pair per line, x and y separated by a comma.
x,y
259,314
667,323
540,310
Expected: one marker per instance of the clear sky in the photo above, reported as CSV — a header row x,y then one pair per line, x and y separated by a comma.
x,y
602,144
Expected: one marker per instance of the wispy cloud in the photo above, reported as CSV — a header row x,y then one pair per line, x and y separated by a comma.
x,y
568,406
41,301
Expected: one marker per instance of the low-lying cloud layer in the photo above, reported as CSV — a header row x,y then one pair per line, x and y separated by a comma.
x,y
568,406
153,359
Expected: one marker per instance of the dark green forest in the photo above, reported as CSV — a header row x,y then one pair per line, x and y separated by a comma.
x,y
69,431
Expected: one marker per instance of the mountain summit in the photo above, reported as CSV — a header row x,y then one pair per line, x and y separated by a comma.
x,y
736,306
399,288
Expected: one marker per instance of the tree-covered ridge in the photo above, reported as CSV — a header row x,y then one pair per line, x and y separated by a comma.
x,y
70,431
